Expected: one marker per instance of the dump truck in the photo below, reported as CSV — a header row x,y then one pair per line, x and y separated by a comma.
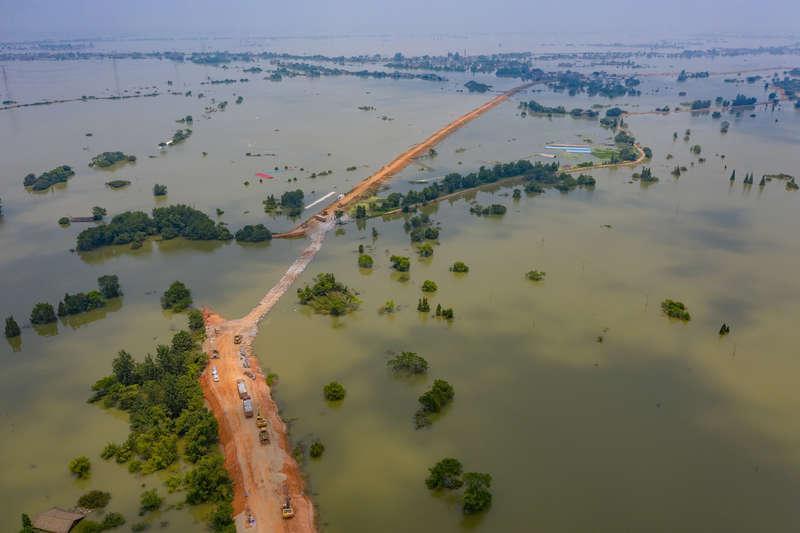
x,y
263,436
247,406
237,339
242,389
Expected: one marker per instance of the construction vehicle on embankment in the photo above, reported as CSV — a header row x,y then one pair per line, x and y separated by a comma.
x,y
263,428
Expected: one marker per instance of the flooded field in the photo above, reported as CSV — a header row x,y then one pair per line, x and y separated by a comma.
x,y
590,409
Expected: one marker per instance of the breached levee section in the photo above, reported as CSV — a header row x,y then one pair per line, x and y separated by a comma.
x,y
265,475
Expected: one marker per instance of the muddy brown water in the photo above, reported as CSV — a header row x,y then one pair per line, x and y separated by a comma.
x,y
661,427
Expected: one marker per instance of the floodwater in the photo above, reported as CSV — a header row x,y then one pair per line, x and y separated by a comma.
x,y
662,426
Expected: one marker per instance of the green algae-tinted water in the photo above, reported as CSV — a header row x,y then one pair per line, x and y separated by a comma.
x,y
662,426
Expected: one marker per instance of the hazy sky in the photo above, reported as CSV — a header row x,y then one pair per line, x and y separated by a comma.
x,y
20,19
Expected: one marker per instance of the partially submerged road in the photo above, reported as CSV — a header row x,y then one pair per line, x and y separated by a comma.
x,y
399,163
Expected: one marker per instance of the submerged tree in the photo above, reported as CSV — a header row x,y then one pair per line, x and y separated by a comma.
x,y
446,474
408,363
177,297
12,328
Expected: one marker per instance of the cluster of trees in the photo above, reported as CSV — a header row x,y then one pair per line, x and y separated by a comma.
x,y
107,159
365,261
675,309
400,263
477,87
459,267
425,249
423,306
169,222
535,107
12,328
444,312
43,313
429,286
328,296
159,190
292,202
408,363
742,100
494,209
448,474
168,421
73,304
539,175
683,76
535,275
700,104
256,233
51,177
433,401
334,391
177,297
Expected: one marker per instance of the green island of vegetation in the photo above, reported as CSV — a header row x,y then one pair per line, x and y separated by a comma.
x,y
74,304
400,263
535,275
477,87
43,313
159,190
645,176
168,222
675,309
177,297
12,329
537,177
169,423
256,233
488,210
365,261
459,267
429,286
80,467
423,306
48,179
107,159
408,363
316,449
334,391
291,203
447,475
328,296
433,401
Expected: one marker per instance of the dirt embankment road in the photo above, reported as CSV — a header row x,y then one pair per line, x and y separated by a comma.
x,y
400,162
264,475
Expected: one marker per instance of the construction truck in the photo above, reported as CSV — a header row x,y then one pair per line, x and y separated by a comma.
x,y
286,509
247,406
263,436
237,339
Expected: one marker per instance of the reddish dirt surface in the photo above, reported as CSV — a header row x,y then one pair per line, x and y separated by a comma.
x,y
263,475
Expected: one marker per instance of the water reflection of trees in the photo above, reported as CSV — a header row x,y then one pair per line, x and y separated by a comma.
x,y
166,247
83,319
